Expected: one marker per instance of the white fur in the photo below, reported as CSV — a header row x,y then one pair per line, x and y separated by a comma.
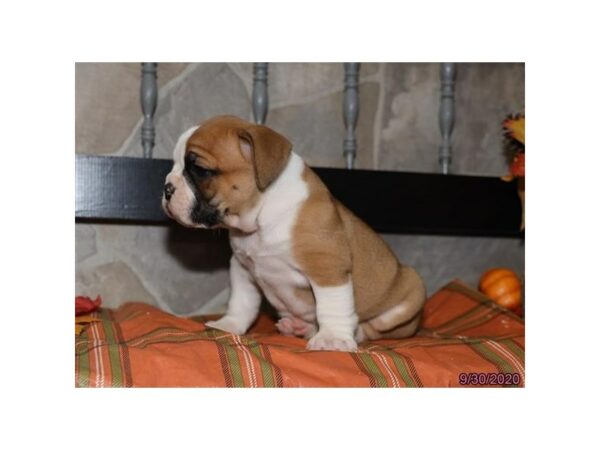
x,y
264,251
244,301
179,152
181,202
263,260
336,316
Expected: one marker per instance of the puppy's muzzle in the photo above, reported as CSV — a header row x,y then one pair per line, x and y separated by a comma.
x,y
169,190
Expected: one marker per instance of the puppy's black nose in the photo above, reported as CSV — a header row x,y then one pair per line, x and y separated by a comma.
x,y
169,190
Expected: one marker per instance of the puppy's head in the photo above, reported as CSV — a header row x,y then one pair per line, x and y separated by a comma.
x,y
221,169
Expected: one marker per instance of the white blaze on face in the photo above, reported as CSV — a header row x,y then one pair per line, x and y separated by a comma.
x,y
179,152
182,200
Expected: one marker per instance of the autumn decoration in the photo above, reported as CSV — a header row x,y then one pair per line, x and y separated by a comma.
x,y
503,286
84,307
514,133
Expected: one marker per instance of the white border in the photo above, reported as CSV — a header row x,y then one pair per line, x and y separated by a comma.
x,y
42,41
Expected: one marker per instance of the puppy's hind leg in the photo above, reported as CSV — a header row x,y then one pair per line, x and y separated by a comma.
x,y
401,320
366,331
293,326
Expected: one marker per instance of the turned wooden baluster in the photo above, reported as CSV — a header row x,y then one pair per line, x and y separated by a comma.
x,y
260,93
149,97
446,117
351,107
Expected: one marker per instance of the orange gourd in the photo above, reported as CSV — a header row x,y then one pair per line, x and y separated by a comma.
x,y
503,286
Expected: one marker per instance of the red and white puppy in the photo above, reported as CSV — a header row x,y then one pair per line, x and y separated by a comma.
x,y
332,279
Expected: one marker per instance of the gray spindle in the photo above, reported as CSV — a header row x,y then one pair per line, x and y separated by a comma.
x,y
447,78
260,93
351,108
149,97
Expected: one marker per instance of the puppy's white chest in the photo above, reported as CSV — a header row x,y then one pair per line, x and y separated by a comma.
x,y
270,263
274,270
268,253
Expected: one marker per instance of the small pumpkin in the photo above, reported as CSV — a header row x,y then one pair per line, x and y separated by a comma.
x,y
503,286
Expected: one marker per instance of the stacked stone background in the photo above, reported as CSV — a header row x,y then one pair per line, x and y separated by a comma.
x,y
185,271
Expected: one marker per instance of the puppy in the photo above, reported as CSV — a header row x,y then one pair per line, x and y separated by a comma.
x,y
331,278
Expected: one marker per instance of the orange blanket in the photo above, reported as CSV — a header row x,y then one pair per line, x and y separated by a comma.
x,y
465,340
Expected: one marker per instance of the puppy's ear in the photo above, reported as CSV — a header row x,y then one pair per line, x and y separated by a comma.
x,y
269,151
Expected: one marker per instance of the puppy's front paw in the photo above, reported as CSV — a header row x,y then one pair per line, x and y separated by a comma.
x,y
329,340
227,324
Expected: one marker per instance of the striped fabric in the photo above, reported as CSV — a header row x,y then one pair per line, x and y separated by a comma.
x,y
463,332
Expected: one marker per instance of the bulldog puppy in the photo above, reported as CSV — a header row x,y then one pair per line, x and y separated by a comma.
x,y
331,278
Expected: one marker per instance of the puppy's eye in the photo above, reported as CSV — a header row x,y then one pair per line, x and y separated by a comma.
x,y
203,172
190,158
192,165
199,172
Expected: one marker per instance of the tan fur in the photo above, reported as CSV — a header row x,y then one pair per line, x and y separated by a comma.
x,y
330,243
270,153
320,244
304,295
217,143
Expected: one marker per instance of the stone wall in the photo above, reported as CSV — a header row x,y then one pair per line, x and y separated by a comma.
x,y
185,271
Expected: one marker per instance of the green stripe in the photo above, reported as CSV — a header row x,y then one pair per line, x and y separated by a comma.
x,y
113,350
178,339
491,355
515,349
400,364
441,341
224,366
413,370
134,314
84,369
473,324
276,370
363,369
370,364
234,363
76,364
156,336
123,351
516,342
481,298
266,369
457,321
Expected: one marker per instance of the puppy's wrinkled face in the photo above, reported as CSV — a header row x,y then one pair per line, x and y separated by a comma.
x,y
217,176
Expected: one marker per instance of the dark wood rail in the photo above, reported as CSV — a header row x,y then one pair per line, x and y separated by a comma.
x,y
120,189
